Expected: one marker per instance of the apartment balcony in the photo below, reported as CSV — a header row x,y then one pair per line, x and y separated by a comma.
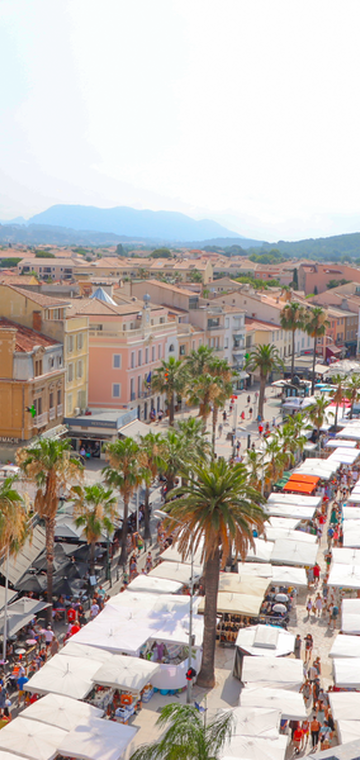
x,y
132,396
59,410
41,419
52,413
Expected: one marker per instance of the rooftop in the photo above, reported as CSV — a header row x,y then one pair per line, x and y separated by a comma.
x,y
26,338
39,298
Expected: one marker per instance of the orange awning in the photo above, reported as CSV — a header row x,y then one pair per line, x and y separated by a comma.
x,y
296,487
299,478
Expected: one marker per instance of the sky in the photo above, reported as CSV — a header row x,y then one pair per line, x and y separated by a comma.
x,y
242,111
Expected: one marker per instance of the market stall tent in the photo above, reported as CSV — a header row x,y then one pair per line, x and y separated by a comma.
x,y
235,604
351,533
284,523
342,556
290,703
252,721
277,672
272,534
126,673
31,739
147,583
344,576
255,570
295,511
98,740
291,499
61,712
294,552
175,571
237,584
345,646
253,748
72,649
262,551
345,705
71,676
347,672
348,730
335,443
265,640
287,575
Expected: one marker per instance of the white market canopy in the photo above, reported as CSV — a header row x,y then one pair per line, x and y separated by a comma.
x,y
345,646
344,456
99,740
345,705
354,496
351,431
348,731
252,721
287,575
347,672
344,576
276,672
71,676
295,511
175,571
31,739
234,583
255,570
272,534
351,533
335,443
265,640
286,523
351,513
262,551
240,604
126,673
20,613
294,552
350,616
253,748
61,712
72,649
147,583
345,556
294,500
290,703
172,554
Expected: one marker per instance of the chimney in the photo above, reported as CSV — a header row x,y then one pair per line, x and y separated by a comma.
x,y
37,321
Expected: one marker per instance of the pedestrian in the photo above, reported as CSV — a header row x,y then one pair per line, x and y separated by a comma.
x,y
333,616
316,571
94,609
314,728
293,724
312,673
306,730
250,413
298,738
308,647
309,606
242,415
220,429
317,665
318,605
297,646
248,399
224,415
330,535
49,635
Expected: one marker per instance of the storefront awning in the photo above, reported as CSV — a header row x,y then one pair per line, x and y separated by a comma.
x,y
295,487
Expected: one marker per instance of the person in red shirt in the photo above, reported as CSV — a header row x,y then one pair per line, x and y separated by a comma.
x,y
74,628
71,614
316,572
297,739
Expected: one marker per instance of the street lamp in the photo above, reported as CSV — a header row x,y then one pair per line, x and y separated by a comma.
x,y
161,515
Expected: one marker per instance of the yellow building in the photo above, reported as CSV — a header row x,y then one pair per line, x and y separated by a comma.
x,y
56,318
31,378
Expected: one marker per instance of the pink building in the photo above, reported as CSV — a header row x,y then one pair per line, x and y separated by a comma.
x,y
126,344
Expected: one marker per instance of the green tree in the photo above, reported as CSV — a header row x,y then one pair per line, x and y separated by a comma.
x,y
176,458
276,460
187,737
195,276
317,413
123,472
266,359
291,318
7,263
222,374
295,280
170,378
254,463
151,461
315,324
120,250
44,255
352,391
94,511
338,394
198,360
192,434
161,253
218,507
49,465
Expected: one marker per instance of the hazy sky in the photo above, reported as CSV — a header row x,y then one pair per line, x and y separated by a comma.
x,y
244,111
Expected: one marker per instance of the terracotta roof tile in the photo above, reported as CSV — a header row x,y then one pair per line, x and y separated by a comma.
x,y
39,298
26,338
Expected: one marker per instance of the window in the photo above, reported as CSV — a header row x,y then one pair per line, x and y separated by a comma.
x,y
70,373
59,396
69,403
116,361
79,341
70,343
51,400
51,362
153,352
132,389
132,359
59,361
162,320
139,386
139,357
227,343
146,355
116,390
182,350
38,367
159,351
227,322
79,369
38,405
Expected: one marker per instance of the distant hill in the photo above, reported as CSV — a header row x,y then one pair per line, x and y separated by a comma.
x,y
168,226
37,234
324,248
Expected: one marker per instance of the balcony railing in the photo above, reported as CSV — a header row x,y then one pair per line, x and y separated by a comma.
x,y
59,410
41,419
52,413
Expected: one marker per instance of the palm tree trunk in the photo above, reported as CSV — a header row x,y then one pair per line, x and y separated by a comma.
x,y
313,368
49,542
336,415
214,423
206,677
92,558
261,395
147,531
351,410
292,353
124,532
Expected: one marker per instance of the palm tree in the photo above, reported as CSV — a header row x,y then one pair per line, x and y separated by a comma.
x,y
151,461
254,463
317,413
276,460
338,394
203,391
220,508
49,464
95,511
222,373
291,318
352,391
14,529
192,433
176,456
123,472
170,378
198,361
291,436
315,324
266,359
188,737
